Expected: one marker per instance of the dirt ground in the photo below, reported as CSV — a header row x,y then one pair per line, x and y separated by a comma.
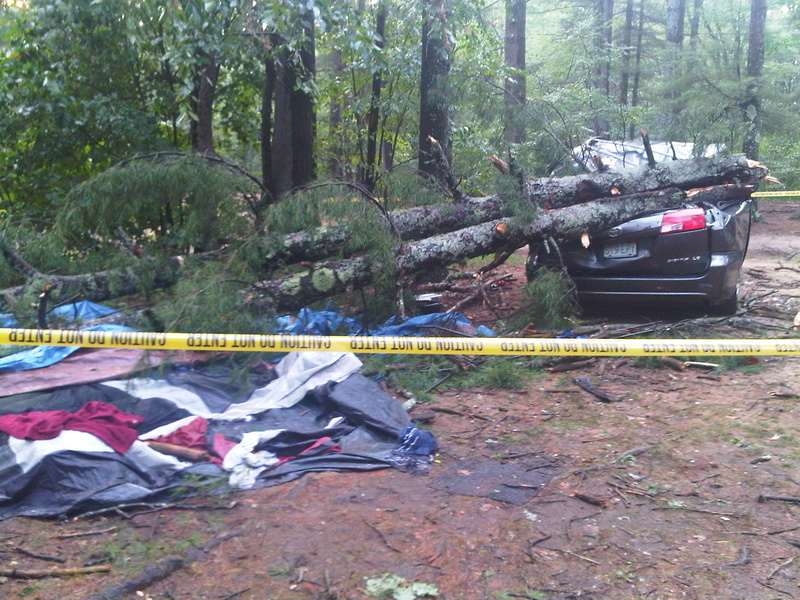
x,y
685,488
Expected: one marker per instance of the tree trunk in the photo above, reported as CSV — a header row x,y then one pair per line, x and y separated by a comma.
x,y
201,130
149,274
627,37
515,89
335,133
373,116
694,31
267,97
675,18
604,13
683,174
426,221
282,129
637,64
755,64
304,119
408,224
434,85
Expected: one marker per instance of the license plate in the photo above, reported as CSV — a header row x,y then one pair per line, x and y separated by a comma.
x,y
625,250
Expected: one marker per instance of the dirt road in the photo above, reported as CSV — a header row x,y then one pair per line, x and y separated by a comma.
x,y
687,487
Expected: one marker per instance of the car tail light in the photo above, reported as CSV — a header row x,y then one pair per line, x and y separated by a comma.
x,y
687,219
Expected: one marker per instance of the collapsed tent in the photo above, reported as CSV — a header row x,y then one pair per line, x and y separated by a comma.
x,y
105,443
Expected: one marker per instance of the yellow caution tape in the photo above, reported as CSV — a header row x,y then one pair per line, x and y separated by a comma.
x,y
774,194
239,342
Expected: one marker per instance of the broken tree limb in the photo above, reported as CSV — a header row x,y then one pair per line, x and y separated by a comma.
x,y
735,174
38,555
15,261
45,573
409,224
160,570
101,285
443,166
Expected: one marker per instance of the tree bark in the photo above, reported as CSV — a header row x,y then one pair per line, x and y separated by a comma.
x,y
637,64
434,109
267,97
683,174
751,107
282,154
627,37
694,23
201,130
515,92
149,274
304,118
408,224
373,115
603,40
422,222
675,19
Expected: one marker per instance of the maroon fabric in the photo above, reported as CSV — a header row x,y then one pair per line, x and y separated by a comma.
x,y
222,445
191,435
108,423
322,446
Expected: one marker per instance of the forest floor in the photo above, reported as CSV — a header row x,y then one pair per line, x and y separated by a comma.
x,y
685,488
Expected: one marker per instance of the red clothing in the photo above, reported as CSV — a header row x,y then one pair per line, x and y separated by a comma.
x,y
114,427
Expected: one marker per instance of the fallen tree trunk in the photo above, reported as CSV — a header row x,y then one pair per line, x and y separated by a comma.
x,y
408,224
423,222
329,278
683,174
149,274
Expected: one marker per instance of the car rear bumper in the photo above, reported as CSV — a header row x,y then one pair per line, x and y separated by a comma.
x,y
715,286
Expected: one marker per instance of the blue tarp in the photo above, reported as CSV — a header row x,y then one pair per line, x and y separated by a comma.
x,y
44,356
328,322
306,322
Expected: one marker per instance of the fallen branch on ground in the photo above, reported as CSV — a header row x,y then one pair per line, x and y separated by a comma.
x,y
160,570
44,574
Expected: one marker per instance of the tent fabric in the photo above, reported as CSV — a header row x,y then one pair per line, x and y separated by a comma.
x,y
323,416
298,373
91,365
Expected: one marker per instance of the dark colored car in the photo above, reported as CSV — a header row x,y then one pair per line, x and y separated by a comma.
x,y
692,255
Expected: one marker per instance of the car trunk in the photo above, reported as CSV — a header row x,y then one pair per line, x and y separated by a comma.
x,y
675,243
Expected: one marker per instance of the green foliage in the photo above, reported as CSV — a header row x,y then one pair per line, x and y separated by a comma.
x,y
421,374
501,372
209,298
389,585
548,303
68,109
183,200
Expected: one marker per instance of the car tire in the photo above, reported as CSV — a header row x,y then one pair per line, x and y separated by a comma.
x,y
727,307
